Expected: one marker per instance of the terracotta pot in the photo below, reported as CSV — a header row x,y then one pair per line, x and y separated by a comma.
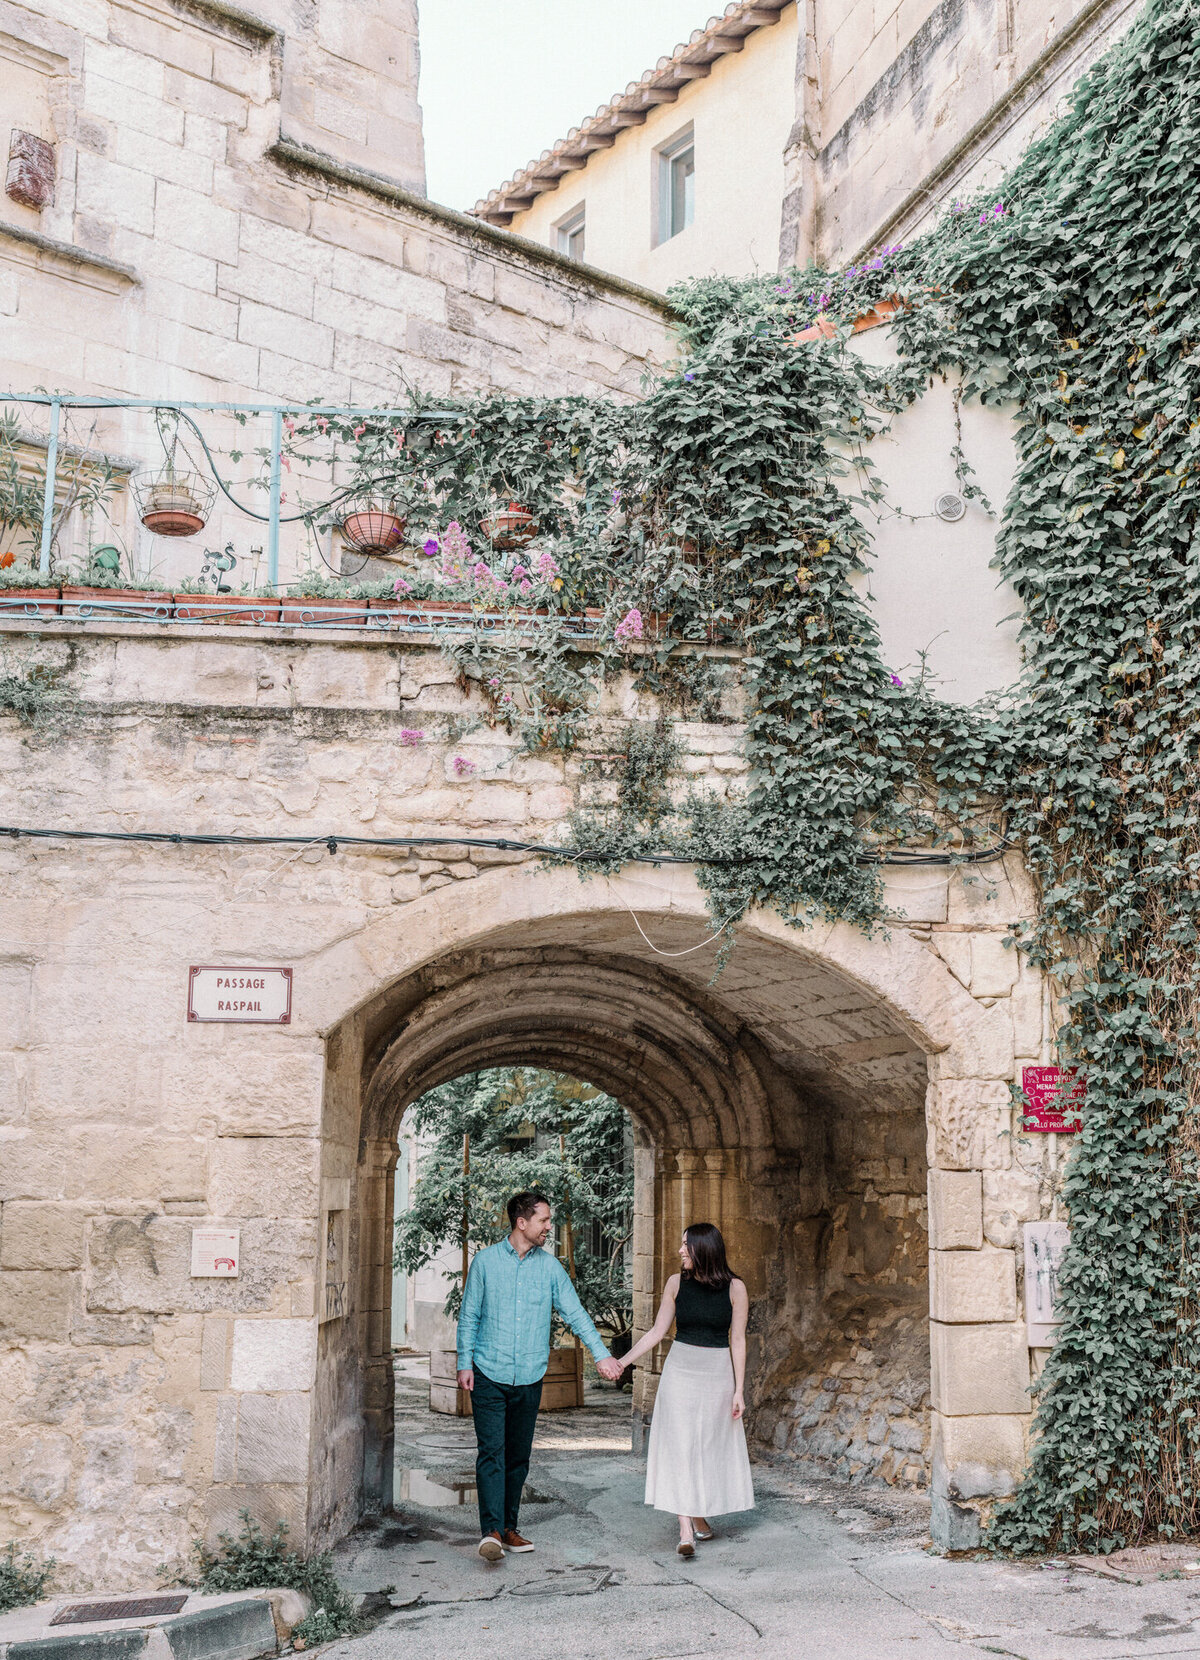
x,y
335,612
115,603
372,530
30,602
173,521
227,608
510,528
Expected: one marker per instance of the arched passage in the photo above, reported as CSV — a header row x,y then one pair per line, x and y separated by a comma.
x,y
786,1101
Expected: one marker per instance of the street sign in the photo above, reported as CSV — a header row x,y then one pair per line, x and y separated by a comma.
x,y
216,1253
1055,1094
252,996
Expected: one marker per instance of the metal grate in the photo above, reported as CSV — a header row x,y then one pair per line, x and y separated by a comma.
x,y
132,1608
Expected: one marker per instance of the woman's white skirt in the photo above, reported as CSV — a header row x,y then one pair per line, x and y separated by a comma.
x,y
697,1463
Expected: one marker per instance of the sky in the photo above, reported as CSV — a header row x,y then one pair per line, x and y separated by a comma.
x,y
502,80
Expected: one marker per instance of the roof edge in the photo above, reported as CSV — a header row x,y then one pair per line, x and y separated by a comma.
x,y
690,61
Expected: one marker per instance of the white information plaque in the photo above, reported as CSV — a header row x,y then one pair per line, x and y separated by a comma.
x,y
254,996
216,1253
1045,1246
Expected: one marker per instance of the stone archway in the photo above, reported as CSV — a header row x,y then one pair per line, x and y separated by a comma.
x,y
755,1099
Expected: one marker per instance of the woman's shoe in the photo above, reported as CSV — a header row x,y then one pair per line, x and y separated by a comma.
x,y
685,1548
701,1537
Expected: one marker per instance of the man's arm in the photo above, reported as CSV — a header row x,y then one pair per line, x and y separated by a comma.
x,y
468,1324
566,1301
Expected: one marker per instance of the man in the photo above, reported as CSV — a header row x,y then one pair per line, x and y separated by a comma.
x,y
513,1290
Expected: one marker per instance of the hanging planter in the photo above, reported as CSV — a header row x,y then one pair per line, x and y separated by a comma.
x,y
512,527
175,502
372,529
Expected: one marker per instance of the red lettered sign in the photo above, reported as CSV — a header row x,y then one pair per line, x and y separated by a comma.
x,y
1054,1094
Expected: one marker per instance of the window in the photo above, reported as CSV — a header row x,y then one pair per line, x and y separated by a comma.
x,y
676,186
569,234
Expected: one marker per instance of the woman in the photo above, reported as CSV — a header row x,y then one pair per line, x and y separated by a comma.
x,y
698,1465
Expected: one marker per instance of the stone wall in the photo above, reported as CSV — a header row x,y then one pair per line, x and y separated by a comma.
x,y
142,1408
213,236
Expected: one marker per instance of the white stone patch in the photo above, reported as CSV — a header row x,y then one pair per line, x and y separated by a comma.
x,y
274,1354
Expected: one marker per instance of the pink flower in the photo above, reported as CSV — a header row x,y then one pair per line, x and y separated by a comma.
x,y
289,424
462,767
547,566
494,682
322,423
359,430
399,437
410,737
630,625
526,585
518,572
400,586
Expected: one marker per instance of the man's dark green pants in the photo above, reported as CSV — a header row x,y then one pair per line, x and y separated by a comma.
x,y
505,1416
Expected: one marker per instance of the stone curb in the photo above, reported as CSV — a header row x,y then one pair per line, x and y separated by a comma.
x,y
241,1626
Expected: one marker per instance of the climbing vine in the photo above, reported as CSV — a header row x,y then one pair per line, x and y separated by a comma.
x,y
720,509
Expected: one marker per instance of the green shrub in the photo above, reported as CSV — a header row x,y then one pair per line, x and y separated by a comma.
x,y
252,1561
22,1578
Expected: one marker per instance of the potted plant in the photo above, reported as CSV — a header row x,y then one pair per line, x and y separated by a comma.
x,y
317,600
23,592
103,591
174,502
373,528
512,527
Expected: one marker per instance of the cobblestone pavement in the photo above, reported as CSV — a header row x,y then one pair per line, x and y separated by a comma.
x,y
817,1570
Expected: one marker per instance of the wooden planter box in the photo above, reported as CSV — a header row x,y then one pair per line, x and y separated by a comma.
x,y
227,608
562,1389
30,602
82,602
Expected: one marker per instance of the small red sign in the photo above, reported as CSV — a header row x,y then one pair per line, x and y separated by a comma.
x,y
1053,1093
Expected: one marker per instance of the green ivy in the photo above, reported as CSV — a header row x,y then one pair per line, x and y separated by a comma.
x,y
720,508
23,1578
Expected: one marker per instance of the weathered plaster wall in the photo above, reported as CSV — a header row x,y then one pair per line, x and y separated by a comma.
x,y
142,1408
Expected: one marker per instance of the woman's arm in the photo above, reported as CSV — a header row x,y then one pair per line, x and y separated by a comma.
x,y
740,1299
661,1326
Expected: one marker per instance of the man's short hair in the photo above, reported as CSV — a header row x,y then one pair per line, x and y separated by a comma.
x,y
522,1206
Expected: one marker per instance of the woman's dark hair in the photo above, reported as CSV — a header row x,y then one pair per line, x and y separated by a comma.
x,y
522,1205
707,1251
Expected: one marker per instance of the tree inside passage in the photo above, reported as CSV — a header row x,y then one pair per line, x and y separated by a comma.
x,y
519,1128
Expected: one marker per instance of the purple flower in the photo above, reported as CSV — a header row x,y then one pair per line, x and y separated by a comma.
x,y
824,299
896,680
431,547
410,737
630,625
877,265
998,211
616,497
983,218
689,375
462,767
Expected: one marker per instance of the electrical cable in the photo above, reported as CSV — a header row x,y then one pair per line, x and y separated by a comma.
x,y
503,844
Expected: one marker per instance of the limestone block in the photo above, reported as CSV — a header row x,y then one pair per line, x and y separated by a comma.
x,y
283,332
272,1437
984,1049
15,984
955,1210
225,1439
161,160
1010,1197
12,1108
972,1287
36,1465
264,1176
383,284
978,1457
992,895
249,1088
979,1369
196,222
34,1304
274,1355
102,1162
993,965
971,1124
42,1235
1025,1007
214,1352
919,894
120,195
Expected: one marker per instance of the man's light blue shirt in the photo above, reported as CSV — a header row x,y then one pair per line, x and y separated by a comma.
x,y
504,1321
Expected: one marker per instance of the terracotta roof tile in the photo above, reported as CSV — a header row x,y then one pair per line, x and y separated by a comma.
x,y
660,85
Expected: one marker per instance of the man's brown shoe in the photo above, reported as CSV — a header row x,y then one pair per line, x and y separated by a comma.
x,y
490,1547
514,1542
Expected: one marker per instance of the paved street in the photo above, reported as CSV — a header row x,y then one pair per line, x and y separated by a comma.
x,y
817,1570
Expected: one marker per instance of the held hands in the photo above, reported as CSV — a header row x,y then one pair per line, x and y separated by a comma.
x,y
466,1380
610,1368
739,1405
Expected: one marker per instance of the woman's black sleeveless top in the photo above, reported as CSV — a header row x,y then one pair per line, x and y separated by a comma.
x,y
702,1315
